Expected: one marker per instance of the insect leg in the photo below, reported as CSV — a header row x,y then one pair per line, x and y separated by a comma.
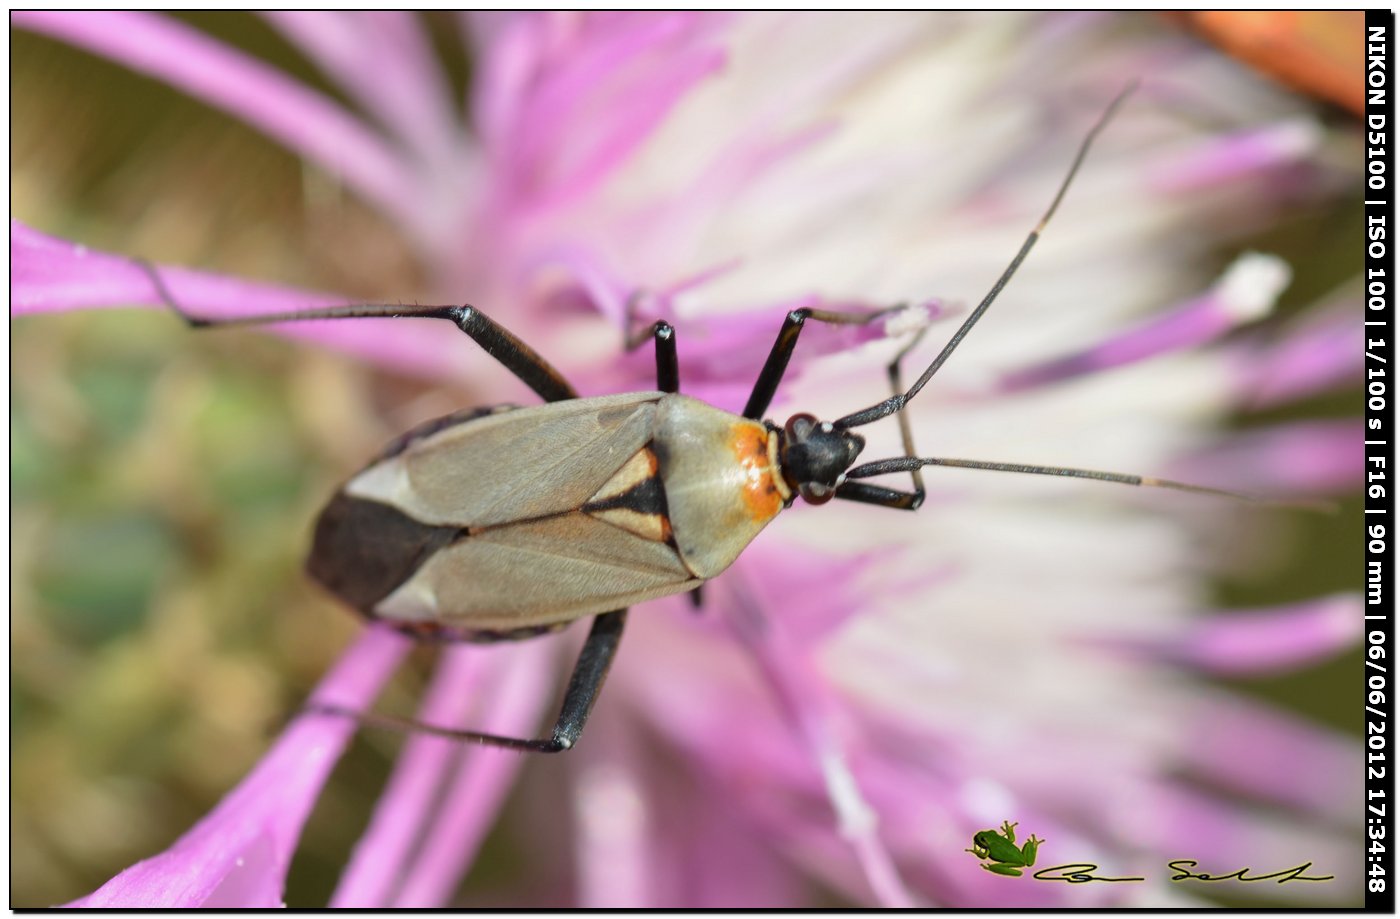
x,y
668,371
589,673
588,676
866,493
874,493
889,497
512,353
906,434
776,365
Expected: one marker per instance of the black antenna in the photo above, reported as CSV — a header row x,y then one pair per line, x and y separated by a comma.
x,y
910,463
898,401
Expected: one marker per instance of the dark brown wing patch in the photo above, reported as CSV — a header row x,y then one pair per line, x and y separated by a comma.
x,y
364,550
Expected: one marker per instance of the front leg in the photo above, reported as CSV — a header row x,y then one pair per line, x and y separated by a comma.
x,y
495,339
775,367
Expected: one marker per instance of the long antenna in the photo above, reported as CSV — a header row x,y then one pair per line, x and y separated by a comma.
x,y
898,401
910,463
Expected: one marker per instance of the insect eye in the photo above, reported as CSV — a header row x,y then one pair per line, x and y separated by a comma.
x,y
799,427
815,492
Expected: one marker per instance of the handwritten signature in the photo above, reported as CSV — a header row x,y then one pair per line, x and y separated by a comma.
x,y
1083,873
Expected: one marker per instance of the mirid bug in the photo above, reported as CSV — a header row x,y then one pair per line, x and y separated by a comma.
x,y
505,523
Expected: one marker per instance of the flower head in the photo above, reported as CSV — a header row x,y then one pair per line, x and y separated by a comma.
x,y
865,690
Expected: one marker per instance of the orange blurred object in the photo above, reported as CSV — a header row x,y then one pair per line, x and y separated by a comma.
x,y
1319,52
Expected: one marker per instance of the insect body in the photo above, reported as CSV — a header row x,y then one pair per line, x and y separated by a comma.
x,y
506,522
601,504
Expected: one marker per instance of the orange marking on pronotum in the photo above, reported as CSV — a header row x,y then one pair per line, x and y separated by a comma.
x,y
749,442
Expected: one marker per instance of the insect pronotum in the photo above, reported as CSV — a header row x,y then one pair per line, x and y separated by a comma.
x,y
504,522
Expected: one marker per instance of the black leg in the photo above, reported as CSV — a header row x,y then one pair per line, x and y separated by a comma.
x,y
512,353
866,493
888,497
906,434
668,371
697,598
776,365
588,676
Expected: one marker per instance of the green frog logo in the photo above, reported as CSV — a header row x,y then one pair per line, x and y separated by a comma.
x,y
1003,857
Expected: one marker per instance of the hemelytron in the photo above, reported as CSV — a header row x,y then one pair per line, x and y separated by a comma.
x,y
506,522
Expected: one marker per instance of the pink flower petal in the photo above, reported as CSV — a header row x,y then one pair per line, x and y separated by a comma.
x,y
1260,641
805,699
1303,458
237,856
386,61
621,842
513,703
629,853
50,274
719,358
566,98
1235,156
389,865
1239,744
1248,290
724,864
306,121
1324,350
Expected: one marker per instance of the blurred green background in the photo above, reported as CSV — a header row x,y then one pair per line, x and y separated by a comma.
x,y
164,482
